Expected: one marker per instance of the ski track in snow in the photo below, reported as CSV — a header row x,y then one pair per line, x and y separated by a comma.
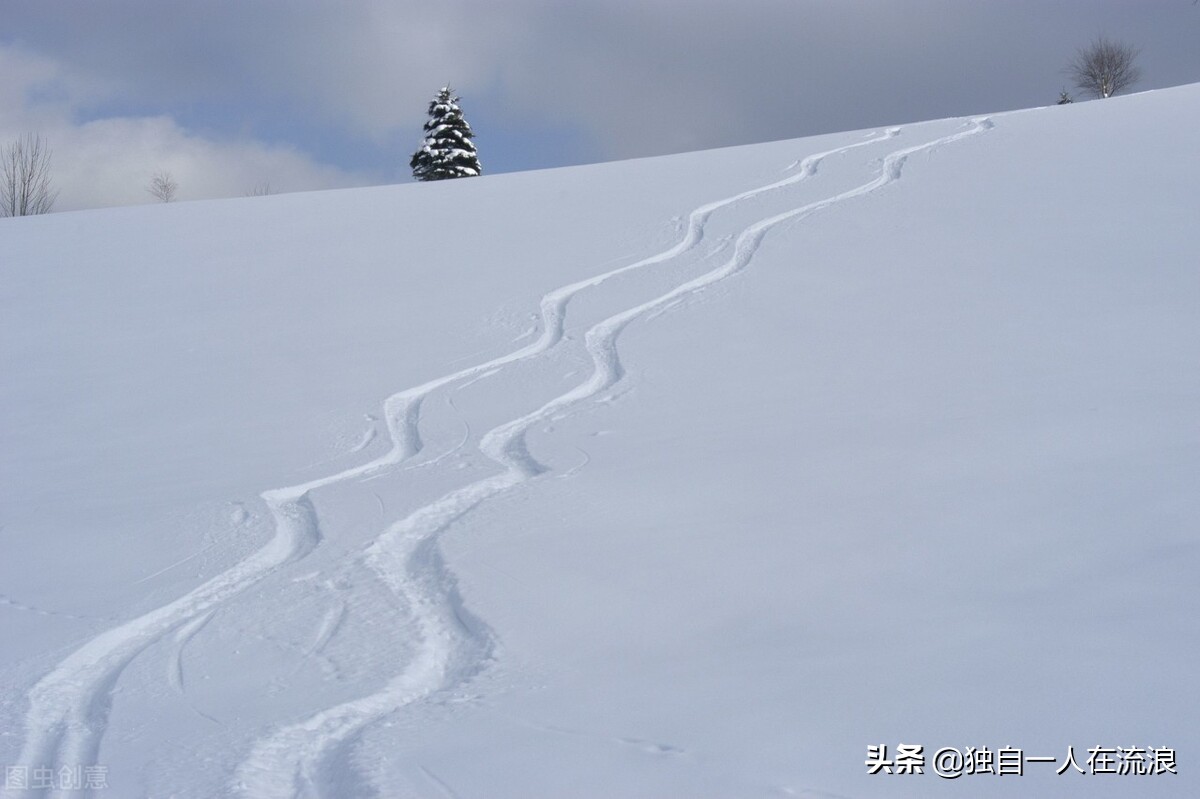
x,y
186,633
439,783
236,519
466,426
451,645
329,627
367,437
69,706
8,601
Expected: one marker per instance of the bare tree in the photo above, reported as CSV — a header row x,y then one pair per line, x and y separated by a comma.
x,y
1104,67
25,187
261,189
163,186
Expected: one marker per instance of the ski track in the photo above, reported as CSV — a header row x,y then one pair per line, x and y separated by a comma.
x,y
466,426
367,437
182,638
179,562
69,706
451,645
329,627
439,783
8,601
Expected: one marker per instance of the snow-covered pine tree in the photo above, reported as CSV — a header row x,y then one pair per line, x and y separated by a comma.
x,y
447,151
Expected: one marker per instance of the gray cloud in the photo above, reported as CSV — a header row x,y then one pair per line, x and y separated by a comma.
x,y
347,83
652,78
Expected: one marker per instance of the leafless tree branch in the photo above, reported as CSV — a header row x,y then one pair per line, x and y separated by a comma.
x,y
1104,67
163,186
25,187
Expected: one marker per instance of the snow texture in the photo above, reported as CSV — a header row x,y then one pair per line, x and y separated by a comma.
x,y
691,476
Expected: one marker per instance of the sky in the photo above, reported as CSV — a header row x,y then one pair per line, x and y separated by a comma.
x,y
229,96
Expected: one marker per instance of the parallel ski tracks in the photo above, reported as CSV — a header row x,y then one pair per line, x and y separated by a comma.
x,y
69,706
292,761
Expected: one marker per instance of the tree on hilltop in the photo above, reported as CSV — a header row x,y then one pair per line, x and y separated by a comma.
x,y
25,186
447,151
163,187
1104,67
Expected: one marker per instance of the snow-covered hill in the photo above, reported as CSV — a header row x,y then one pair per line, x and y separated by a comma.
x,y
690,476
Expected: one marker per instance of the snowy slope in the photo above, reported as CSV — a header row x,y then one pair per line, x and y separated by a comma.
x,y
689,476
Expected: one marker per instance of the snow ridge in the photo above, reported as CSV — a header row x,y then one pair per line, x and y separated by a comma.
x,y
296,760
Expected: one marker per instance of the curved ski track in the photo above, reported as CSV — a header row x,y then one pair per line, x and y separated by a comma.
x,y
291,762
69,706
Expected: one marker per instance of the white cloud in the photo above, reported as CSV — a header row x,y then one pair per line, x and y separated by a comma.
x,y
110,161
367,67
623,77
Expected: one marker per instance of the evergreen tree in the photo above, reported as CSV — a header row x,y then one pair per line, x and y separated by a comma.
x,y
447,151
1064,98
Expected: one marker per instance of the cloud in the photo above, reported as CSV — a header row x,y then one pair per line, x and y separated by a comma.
x,y
646,78
360,66
110,160
543,82
658,80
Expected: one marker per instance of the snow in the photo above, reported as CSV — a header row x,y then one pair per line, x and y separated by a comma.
x,y
688,476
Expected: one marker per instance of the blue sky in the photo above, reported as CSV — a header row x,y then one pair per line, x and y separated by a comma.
x,y
226,94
